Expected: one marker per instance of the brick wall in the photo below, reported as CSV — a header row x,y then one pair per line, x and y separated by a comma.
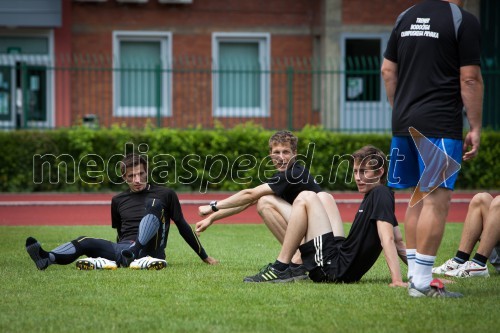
x,y
373,11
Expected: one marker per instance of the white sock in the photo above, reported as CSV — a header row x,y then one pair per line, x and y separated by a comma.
x,y
410,257
422,273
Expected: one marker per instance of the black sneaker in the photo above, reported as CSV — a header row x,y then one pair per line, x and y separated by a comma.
x,y
270,274
299,272
37,254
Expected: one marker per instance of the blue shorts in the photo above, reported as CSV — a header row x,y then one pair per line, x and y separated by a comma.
x,y
406,165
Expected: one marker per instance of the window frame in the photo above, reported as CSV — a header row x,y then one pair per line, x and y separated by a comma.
x,y
364,109
264,42
165,40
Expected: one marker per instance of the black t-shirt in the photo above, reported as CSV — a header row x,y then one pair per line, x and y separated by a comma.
x,y
289,183
429,53
128,209
361,248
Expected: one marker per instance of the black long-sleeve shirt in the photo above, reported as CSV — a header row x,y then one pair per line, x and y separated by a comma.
x,y
128,208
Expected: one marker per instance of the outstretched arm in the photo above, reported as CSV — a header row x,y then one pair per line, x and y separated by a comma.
x,y
190,237
241,198
205,223
386,235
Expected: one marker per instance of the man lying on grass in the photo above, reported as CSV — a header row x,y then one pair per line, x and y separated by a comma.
x,y
331,258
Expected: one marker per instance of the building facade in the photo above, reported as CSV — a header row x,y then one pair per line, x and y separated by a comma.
x,y
197,63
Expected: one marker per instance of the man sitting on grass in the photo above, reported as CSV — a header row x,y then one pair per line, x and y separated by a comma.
x,y
333,258
482,223
275,197
141,215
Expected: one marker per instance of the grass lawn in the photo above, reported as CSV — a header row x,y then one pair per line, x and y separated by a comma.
x,y
189,296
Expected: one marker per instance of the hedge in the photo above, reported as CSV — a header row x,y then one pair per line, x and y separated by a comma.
x,y
83,159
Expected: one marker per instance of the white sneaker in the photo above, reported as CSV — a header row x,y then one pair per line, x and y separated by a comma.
x,y
87,264
469,269
148,263
449,265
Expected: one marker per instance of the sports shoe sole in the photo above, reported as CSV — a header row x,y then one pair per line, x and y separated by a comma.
x,y
85,265
154,266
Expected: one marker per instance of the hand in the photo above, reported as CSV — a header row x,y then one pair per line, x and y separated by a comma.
x,y
472,140
211,261
202,226
205,210
398,284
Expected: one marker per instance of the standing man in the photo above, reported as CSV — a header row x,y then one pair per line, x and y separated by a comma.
x,y
274,198
141,216
431,71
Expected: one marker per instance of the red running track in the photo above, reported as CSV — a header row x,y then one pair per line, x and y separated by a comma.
x,y
94,209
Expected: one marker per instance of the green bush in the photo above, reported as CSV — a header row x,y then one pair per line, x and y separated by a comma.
x,y
83,159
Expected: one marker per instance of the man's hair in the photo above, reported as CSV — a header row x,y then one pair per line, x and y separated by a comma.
x,y
374,158
282,137
132,160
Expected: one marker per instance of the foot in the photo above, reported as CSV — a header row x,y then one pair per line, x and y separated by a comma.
x,y
299,272
149,263
270,274
87,264
449,265
435,289
127,258
469,269
37,254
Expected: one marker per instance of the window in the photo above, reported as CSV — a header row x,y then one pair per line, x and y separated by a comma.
x,y
364,105
241,86
141,76
362,66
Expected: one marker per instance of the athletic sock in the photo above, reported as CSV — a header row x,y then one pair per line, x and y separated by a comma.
x,y
37,254
294,265
422,276
461,257
480,259
278,265
410,258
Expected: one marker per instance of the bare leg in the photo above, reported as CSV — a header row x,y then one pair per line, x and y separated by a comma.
x,y
491,229
275,213
473,225
333,213
308,219
431,222
411,219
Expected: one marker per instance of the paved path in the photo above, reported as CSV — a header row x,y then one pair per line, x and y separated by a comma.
x,y
94,209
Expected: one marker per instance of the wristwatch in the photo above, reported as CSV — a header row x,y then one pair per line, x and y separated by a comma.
x,y
213,205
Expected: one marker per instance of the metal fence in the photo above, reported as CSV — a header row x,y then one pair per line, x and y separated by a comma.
x,y
193,92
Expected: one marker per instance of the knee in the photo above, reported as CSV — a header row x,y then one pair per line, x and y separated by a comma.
x,y
326,197
265,203
304,197
155,207
480,200
495,203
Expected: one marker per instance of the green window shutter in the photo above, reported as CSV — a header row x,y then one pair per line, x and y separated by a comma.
x,y
140,62
240,73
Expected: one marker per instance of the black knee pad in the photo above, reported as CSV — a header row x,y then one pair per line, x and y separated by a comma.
x,y
155,207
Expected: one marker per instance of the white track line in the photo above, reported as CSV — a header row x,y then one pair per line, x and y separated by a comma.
x,y
183,202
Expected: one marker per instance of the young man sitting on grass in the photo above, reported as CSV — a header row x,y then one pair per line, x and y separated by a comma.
x,y
274,198
141,216
481,224
332,258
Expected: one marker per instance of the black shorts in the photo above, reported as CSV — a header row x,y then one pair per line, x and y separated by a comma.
x,y
319,255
